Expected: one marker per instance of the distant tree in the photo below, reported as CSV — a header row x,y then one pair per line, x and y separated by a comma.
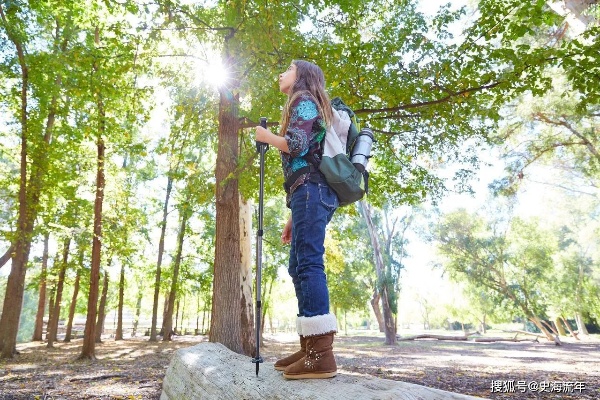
x,y
184,216
53,322
39,318
513,261
73,305
102,305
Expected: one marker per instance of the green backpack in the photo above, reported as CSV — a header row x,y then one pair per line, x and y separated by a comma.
x,y
346,151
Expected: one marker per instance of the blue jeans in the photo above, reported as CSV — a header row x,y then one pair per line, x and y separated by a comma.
x,y
313,205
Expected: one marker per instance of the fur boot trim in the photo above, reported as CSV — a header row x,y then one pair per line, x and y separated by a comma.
x,y
318,325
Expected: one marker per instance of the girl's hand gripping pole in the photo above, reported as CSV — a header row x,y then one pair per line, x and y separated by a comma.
x,y
261,145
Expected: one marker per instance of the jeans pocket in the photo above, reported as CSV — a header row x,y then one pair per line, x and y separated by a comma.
x,y
328,197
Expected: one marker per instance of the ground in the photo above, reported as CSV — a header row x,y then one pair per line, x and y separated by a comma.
x,y
134,368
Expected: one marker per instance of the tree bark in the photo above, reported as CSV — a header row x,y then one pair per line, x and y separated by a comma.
x,y
161,250
564,321
102,309
225,324
580,324
119,331
138,309
178,327
376,310
13,298
39,317
7,255
579,294
538,322
168,322
73,306
53,323
246,261
50,310
559,327
89,337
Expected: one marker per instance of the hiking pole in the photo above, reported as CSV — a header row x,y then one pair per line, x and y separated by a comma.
x,y
261,148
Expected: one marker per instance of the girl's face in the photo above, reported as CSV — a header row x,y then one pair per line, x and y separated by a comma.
x,y
287,79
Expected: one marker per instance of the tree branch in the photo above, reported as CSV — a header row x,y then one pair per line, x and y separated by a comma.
x,y
585,141
7,256
230,30
428,103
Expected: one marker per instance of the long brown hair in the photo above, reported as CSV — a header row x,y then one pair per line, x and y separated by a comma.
x,y
309,79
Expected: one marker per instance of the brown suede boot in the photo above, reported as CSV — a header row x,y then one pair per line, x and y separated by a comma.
x,y
280,365
319,361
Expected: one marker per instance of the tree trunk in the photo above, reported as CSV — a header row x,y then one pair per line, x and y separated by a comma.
x,y
376,310
41,310
119,331
138,309
266,308
181,325
161,250
178,323
564,321
50,310
168,322
53,323
164,314
578,317
89,337
246,261
73,306
559,327
29,195
388,318
225,326
7,255
13,298
102,309
580,324
198,310
544,330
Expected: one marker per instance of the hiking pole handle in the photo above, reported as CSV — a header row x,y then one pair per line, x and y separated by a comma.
x,y
260,146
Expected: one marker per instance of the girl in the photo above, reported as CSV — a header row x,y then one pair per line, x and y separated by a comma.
x,y
306,115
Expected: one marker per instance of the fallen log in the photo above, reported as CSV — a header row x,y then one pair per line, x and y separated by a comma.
x,y
211,371
437,337
501,339
518,332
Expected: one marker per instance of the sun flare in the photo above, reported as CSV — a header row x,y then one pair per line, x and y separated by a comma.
x,y
214,73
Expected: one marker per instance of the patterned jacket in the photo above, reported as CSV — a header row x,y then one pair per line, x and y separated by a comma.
x,y
304,135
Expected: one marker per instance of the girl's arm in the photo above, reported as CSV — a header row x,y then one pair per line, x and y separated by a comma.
x,y
299,132
266,136
286,234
